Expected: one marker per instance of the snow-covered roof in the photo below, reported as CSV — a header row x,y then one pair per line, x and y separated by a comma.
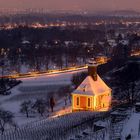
x,y
124,42
25,42
138,103
112,42
91,87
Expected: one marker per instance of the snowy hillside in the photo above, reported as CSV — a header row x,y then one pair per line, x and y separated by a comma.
x,y
33,88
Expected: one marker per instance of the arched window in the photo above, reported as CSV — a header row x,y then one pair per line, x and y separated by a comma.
x,y
88,102
78,102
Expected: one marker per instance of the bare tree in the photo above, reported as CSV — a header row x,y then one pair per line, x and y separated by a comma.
x,y
6,118
78,78
26,107
65,92
40,106
126,81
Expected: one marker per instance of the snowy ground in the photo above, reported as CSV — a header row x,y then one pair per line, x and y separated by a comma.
x,y
76,126
59,128
132,127
33,88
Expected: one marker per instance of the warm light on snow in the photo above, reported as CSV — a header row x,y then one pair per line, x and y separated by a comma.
x,y
98,93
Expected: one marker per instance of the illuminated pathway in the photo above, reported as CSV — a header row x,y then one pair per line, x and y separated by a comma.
x,y
52,78
50,72
137,53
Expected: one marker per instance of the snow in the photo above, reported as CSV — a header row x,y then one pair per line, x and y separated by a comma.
x,y
60,77
24,68
132,127
56,123
91,87
33,88
38,127
124,42
51,128
138,103
25,42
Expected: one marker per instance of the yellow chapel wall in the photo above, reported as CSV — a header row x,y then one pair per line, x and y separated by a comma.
x,y
83,105
101,102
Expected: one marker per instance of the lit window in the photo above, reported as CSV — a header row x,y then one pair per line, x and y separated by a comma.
x,y
88,102
78,101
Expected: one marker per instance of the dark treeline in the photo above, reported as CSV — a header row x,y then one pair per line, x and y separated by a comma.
x,y
37,56
54,47
14,37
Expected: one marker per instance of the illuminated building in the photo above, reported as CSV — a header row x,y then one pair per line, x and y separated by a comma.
x,y
92,94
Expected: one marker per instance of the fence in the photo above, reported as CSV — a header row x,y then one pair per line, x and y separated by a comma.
x,y
53,128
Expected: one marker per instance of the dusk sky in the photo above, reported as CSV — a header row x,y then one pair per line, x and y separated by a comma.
x,y
73,4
